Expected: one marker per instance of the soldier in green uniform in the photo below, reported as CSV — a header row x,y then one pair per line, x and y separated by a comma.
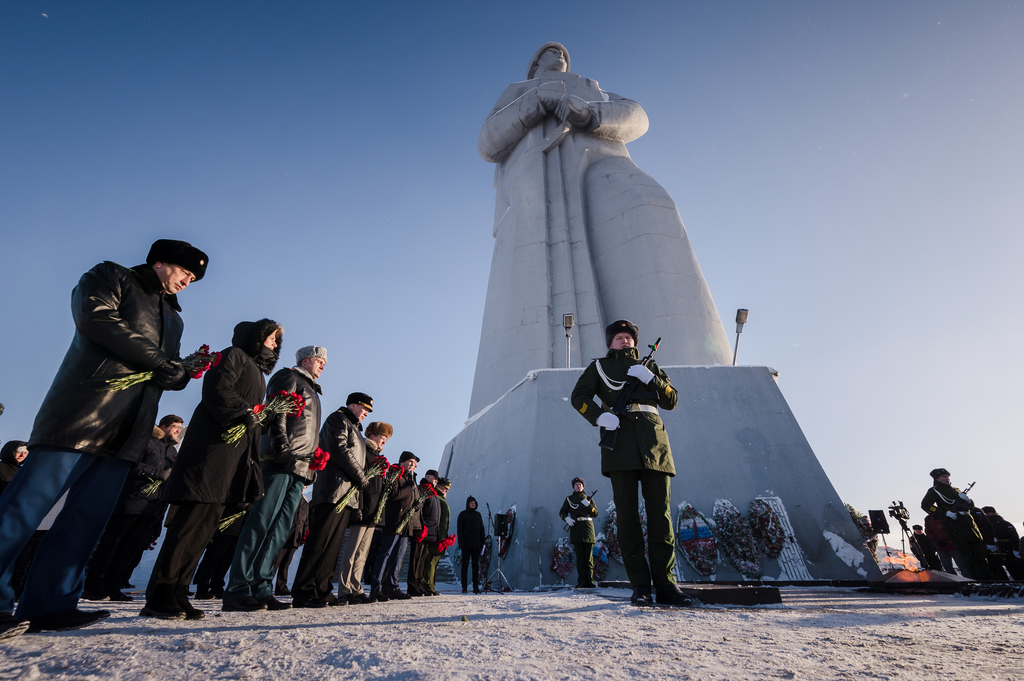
x,y
953,508
579,511
641,458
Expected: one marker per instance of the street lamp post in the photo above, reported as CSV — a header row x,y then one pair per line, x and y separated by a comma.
x,y
741,319
568,323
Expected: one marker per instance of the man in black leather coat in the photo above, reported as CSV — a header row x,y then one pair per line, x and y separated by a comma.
x,y
287,451
342,437
86,437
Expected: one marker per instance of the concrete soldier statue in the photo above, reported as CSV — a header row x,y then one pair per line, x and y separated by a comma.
x,y
641,456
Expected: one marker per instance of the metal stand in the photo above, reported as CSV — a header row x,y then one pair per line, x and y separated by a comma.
x,y
497,576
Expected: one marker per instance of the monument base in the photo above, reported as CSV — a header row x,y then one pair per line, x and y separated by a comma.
x,y
733,438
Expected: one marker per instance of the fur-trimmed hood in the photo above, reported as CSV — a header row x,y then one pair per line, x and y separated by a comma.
x,y
7,451
249,338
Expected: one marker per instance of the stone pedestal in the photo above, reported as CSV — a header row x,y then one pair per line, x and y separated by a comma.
x,y
733,437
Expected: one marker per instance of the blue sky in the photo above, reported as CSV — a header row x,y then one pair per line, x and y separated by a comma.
x,y
850,172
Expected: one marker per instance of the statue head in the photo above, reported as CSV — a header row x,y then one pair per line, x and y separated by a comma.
x,y
546,59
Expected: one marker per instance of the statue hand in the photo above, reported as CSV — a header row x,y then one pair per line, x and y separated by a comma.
x,y
574,110
549,95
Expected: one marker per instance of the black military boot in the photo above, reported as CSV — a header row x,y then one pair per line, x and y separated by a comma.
x,y
669,594
161,603
641,595
181,596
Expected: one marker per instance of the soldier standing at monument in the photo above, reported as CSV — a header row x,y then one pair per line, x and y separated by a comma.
x,y
953,508
641,456
579,511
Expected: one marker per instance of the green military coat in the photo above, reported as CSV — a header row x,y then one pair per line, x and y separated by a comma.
x,y
577,506
941,499
640,445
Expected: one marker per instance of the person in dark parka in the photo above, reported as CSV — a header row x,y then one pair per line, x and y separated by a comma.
x,y
443,523
210,473
86,437
12,455
470,535
129,526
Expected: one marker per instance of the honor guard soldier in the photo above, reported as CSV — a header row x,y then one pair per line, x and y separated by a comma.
x,y
578,512
640,456
953,508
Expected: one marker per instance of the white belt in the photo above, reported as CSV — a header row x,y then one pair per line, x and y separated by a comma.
x,y
643,407
584,520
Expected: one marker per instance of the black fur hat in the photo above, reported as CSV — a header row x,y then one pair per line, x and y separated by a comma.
x,y
621,326
180,253
938,473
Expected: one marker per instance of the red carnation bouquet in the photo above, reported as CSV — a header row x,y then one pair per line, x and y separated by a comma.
x,y
196,364
317,460
283,402
379,466
446,544
428,491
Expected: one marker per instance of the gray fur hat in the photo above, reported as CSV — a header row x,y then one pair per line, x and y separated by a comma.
x,y
311,351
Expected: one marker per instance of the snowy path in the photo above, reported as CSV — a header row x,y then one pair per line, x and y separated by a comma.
x,y
815,634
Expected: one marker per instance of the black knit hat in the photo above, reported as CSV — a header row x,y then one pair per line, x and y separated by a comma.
x,y
180,253
361,399
621,326
938,473
406,456
579,480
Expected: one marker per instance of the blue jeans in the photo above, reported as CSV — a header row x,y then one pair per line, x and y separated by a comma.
x,y
266,528
388,564
57,576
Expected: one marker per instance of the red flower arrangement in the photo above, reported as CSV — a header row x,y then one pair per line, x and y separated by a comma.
x,y
196,364
379,466
562,560
446,543
283,402
767,528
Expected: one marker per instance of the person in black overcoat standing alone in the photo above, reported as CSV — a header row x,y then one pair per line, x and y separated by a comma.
x,y
210,473
471,541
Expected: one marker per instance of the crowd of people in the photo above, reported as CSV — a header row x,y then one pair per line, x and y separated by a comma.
x,y
230,494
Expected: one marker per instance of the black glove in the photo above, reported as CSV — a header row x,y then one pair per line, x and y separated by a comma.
x,y
169,375
251,421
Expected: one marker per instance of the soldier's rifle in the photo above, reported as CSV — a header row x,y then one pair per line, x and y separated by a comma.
x,y
621,408
565,528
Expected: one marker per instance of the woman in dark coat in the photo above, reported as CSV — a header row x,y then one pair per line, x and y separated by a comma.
x,y
471,541
210,473
12,455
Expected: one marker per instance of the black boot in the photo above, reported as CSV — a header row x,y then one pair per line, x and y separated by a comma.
x,y
162,604
181,597
641,595
669,594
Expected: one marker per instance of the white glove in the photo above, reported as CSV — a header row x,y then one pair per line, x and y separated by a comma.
x,y
640,372
570,522
952,515
608,421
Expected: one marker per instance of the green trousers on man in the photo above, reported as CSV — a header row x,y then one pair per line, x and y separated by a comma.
x,y
656,489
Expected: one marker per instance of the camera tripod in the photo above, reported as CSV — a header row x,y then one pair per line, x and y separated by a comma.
x,y
898,511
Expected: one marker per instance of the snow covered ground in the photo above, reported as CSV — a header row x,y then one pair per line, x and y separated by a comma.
x,y
818,633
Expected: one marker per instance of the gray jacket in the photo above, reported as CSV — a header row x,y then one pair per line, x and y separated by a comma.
x,y
289,439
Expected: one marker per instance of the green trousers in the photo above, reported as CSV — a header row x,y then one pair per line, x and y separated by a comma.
x,y
584,564
657,493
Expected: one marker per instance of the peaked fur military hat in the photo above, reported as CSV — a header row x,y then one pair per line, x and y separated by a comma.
x,y
180,253
621,326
